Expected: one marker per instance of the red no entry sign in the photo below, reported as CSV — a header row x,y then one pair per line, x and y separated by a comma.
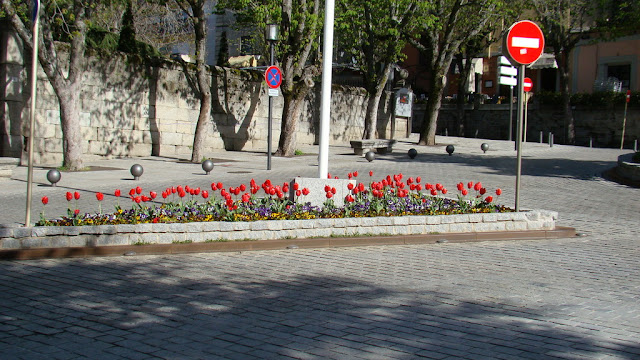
x,y
524,42
273,76
527,84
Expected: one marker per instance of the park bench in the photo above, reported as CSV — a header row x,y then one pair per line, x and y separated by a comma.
x,y
381,146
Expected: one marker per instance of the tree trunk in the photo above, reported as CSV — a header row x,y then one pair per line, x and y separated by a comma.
x,y
289,124
430,123
373,102
567,114
72,141
202,128
204,87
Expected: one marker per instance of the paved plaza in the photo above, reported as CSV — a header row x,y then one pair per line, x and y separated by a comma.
x,y
571,298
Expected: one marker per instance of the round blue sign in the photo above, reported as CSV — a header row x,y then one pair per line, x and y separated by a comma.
x,y
273,76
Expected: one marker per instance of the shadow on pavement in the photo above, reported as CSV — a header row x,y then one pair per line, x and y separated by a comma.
x,y
158,307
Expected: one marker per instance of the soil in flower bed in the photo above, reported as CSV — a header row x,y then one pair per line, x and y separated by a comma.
x,y
392,196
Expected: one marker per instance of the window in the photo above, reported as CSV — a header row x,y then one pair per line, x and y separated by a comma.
x,y
620,72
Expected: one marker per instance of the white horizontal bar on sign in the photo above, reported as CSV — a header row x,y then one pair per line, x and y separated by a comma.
x,y
508,70
523,42
507,80
505,61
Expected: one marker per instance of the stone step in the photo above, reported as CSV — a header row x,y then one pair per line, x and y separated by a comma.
x,y
7,165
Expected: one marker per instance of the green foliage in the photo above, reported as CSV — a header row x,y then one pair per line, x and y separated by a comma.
x,y
127,41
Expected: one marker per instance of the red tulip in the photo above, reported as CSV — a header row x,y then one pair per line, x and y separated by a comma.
x,y
76,195
350,186
327,188
350,175
460,186
333,190
483,191
477,186
243,187
99,196
117,193
361,187
214,187
371,173
464,192
45,200
76,212
329,195
138,190
434,192
349,198
153,194
444,191
489,199
69,196
470,184
298,192
205,194
165,195
197,191
296,186
272,191
132,192
328,175
498,191
355,174
305,191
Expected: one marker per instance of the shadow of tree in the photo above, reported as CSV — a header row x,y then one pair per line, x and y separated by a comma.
x,y
161,308
506,165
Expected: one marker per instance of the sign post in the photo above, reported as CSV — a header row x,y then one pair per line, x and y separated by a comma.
x,y
35,18
507,75
523,45
273,77
527,85
624,119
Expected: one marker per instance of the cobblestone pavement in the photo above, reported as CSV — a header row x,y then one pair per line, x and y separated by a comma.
x,y
567,298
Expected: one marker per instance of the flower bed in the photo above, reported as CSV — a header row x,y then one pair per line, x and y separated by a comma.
x,y
391,206
391,196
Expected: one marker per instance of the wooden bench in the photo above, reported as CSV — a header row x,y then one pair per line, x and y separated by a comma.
x,y
381,146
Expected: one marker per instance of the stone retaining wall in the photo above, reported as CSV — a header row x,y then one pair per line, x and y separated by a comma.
x,y
107,235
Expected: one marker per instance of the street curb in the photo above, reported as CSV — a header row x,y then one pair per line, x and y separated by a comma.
x,y
282,244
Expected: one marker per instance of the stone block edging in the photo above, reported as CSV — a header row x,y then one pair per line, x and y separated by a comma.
x,y
628,169
14,237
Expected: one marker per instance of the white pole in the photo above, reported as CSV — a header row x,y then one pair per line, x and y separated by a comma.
x,y
325,104
32,113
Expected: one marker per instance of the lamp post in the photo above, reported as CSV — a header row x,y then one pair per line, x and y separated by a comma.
x,y
271,36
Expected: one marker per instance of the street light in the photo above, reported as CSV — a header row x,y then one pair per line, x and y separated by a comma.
x,y
271,36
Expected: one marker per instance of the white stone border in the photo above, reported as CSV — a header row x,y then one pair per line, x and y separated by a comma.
x,y
13,237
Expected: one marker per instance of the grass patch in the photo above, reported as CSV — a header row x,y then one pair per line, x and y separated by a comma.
x,y
182,242
141,243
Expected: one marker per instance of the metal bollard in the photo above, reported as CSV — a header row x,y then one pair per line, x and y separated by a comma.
x,y
541,137
590,142
635,145
446,132
550,139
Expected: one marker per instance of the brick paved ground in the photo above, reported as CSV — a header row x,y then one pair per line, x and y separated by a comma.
x,y
568,298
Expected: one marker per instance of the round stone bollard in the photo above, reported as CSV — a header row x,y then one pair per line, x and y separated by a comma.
x,y
370,155
136,170
412,153
450,149
53,176
207,166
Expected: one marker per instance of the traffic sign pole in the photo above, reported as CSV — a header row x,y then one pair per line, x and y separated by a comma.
x,y
524,44
519,136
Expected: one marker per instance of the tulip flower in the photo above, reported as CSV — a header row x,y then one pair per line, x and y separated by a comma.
x,y
45,200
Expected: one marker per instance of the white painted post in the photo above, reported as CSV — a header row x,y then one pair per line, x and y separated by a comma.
x,y
325,103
